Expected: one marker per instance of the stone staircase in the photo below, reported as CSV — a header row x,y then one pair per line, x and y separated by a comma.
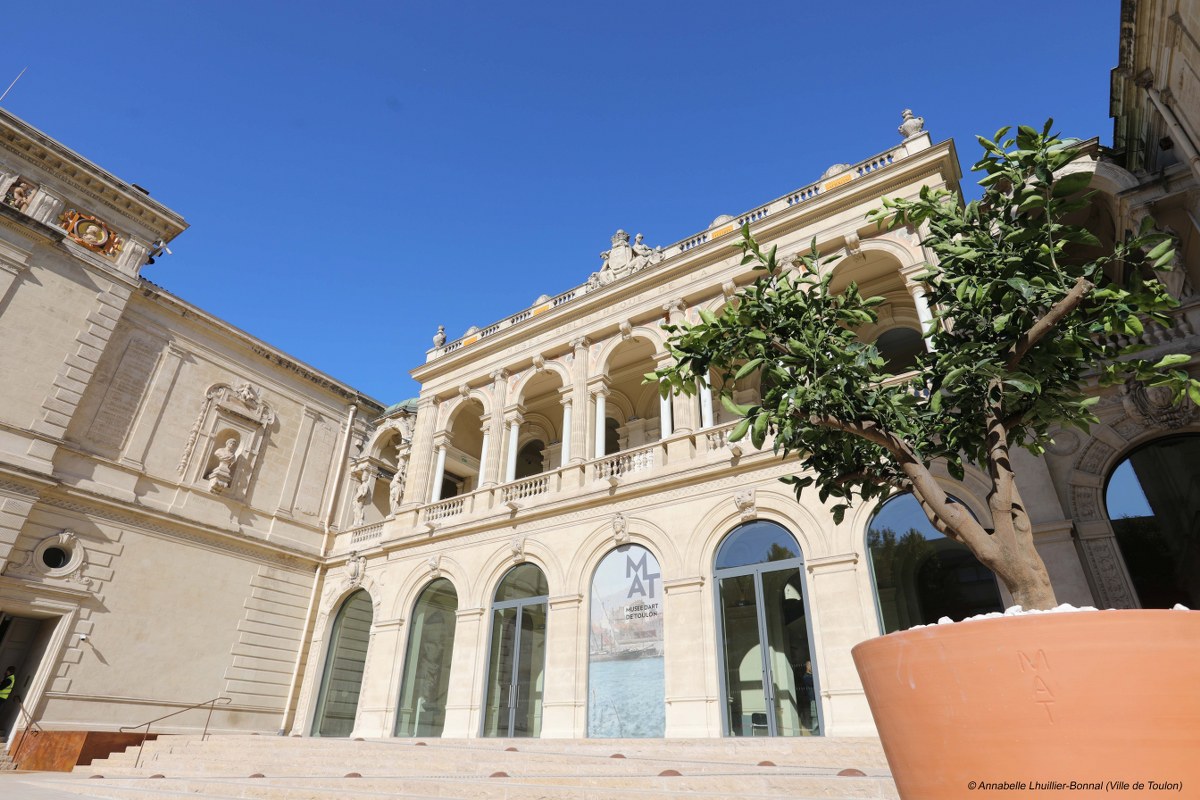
x,y
274,768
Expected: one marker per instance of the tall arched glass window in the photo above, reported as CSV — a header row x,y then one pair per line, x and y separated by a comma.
x,y
337,703
517,656
768,679
1153,500
921,575
426,680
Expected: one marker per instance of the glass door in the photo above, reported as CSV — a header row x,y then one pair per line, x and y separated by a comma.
x,y
516,670
766,664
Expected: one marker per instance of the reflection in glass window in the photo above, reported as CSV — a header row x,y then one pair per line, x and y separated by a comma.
x,y
524,580
341,682
921,575
426,682
756,542
1153,500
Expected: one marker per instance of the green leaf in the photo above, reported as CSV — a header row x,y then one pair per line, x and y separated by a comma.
x,y
758,434
1160,249
739,431
1070,184
1173,360
747,368
734,408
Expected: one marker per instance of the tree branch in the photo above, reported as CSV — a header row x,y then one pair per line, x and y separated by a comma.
x,y
1043,326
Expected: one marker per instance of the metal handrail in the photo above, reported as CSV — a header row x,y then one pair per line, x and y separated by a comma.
x,y
210,703
30,723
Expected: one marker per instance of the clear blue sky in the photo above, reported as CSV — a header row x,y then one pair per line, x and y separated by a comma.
x,y
357,173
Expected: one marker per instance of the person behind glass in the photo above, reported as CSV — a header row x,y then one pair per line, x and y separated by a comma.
x,y
808,711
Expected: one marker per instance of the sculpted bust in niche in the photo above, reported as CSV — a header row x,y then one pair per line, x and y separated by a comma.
x,y
220,475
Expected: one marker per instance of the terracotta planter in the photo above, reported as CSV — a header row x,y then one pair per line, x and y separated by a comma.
x,y
1045,699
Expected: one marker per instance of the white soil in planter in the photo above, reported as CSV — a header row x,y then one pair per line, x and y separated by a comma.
x,y
1017,611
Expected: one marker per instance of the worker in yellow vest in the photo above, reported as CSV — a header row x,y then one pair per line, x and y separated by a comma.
x,y
6,685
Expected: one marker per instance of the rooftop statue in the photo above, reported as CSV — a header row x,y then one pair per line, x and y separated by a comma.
x,y
624,259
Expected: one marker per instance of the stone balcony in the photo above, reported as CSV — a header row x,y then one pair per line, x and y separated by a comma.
x,y
581,483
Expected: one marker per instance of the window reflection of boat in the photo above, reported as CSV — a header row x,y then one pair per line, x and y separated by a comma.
x,y
615,638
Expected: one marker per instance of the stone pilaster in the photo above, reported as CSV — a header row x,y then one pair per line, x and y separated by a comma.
x,y
841,625
467,666
564,703
579,401
691,683
420,467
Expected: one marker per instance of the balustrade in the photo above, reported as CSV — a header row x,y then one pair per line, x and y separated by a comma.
x,y
444,508
366,533
630,461
527,487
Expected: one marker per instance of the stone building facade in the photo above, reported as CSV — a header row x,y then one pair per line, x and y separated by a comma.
x,y
537,544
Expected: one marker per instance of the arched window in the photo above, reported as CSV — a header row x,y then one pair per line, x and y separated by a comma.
x,y
1153,500
426,680
921,575
769,682
337,703
517,656
626,679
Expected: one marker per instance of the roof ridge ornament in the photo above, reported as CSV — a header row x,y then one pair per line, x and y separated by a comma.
x,y
911,126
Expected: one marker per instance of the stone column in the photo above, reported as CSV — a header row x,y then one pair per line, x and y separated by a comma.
x,y
683,407
564,701
844,710
601,394
665,424
484,450
706,406
514,437
499,393
439,469
923,312
466,665
579,380
421,458
566,400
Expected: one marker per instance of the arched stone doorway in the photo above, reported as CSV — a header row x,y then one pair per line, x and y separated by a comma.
x,y
1152,499
341,681
426,681
517,655
768,681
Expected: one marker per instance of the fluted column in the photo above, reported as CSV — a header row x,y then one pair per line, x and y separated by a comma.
x,y
421,458
684,410
579,398
499,392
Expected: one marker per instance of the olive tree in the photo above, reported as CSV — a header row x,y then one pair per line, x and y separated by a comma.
x,y
1029,315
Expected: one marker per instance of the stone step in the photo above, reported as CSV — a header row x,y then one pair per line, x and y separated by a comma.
x,y
694,787
392,757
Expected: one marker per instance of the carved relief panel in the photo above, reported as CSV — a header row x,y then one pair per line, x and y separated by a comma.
x,y
225,443
91,232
